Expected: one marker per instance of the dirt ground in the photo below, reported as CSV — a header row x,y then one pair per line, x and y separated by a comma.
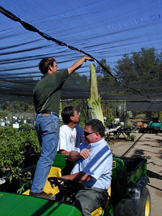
x,y
150,147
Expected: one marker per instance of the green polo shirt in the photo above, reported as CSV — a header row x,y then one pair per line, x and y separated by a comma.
x,y
47,92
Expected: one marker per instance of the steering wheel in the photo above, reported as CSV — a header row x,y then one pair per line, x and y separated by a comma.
x,y
67,187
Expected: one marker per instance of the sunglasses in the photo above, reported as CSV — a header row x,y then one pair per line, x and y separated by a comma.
x,y
88,133
76,114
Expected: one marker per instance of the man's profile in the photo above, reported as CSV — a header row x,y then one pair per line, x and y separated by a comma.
x,y
71,134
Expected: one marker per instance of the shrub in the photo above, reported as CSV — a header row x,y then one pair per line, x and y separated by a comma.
x,y
16,145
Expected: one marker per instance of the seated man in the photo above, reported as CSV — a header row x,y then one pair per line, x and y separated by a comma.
x,y
93,168
71,134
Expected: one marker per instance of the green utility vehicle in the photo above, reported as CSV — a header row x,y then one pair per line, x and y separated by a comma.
x,y
155,125
128,194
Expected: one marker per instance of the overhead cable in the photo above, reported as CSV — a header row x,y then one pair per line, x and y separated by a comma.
x,y
48,37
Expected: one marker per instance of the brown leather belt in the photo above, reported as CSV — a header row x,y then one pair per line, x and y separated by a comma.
x,y
47,113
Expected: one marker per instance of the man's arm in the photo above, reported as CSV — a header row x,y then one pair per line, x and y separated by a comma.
x,y
75,156
78,63
64,152
78,177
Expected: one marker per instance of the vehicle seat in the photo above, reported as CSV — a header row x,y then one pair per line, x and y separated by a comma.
x,y
99,211
54,172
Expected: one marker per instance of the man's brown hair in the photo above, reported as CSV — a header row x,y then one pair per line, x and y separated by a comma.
x,y
44,64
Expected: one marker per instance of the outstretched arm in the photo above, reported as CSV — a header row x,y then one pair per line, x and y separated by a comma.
x,y
78,63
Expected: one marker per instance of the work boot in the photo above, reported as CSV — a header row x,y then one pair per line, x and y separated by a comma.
x,y
41,195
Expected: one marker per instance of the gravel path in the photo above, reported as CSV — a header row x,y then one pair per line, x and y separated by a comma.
x,y
150,147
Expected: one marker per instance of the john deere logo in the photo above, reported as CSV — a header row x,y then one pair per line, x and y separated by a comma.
x,y
114,164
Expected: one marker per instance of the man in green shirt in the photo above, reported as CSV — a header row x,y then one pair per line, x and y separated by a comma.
x,y
47,95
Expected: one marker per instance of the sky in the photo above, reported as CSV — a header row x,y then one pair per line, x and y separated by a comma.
x,y
102,28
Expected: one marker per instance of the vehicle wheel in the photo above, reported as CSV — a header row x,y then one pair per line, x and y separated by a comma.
x,y
145,203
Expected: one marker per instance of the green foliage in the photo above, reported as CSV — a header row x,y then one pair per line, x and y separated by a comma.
x,y
101,70
82,120
74,103
82,124
17,106
61,123
110,118
77,81
131,137
128,124
154,114
15,146
3,114
140,115
105,80
108,106
137,65
83,108
160,116
129,114
141,71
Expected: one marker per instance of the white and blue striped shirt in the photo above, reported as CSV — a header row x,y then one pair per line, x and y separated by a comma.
x,y
98,165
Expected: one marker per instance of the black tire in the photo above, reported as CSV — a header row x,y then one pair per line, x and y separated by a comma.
x,y
145,203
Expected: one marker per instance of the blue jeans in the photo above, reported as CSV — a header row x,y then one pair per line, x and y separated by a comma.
x,y
48,134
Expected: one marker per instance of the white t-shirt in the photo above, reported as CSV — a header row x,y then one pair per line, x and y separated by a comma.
x,y
67,138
